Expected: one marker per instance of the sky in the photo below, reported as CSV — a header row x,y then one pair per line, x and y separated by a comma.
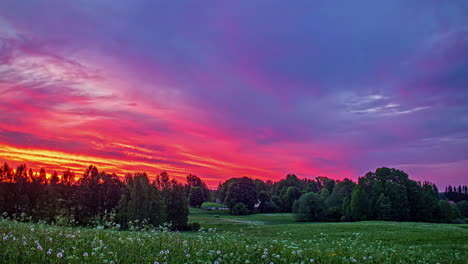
x,y
226,89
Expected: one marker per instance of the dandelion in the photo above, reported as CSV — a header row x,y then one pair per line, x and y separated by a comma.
x,y
59,255
85,254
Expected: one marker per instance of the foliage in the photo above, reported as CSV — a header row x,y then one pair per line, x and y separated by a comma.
x,y
93,198
239,209
196,196
462,208
310,207
456,193
242,190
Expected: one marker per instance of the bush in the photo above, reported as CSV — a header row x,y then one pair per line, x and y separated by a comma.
x,y
195,226
239,209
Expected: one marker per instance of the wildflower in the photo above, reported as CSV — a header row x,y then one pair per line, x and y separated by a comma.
x,y
85,254
161,252
218,252
352,259
49,251
272,262
32,229
216,262
59,255
39,248
264,256
156,262
167,251
188,255
312,260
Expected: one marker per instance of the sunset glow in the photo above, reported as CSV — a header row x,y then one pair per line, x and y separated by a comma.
x,y
231,89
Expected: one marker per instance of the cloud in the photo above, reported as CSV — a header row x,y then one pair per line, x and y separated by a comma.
x,y
231,89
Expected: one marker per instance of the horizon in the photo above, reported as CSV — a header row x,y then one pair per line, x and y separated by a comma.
x,y
236,89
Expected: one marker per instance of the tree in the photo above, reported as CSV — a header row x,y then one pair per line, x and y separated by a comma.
x,y
175,199
309,207
267,205
447,213
195,181
288,196
176,206
140,201
462,208
359,204
242,191
239,209
384,207
334,202
196,196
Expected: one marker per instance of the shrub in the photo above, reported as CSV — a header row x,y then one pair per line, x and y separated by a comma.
x,y
239,209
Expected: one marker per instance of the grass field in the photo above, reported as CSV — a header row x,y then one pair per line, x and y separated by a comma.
x,y
261,238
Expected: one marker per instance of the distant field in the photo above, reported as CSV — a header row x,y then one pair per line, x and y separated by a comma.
x,y
211,204
261,238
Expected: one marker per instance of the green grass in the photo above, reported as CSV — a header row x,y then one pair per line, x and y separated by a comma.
x,y
212,204
260,238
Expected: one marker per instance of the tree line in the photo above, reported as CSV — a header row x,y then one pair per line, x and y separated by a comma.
x,y
386,194
94,198
456,194
100,198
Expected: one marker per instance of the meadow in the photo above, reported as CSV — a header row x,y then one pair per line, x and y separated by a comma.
x,y
224,238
